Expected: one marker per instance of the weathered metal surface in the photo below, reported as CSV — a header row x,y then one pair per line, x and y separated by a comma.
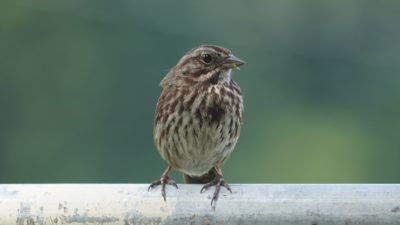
x,y
129,204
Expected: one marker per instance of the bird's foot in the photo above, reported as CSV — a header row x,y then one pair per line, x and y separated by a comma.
x,y
217,182
163,181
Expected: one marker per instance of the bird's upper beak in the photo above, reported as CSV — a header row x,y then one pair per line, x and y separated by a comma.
x,y
233,61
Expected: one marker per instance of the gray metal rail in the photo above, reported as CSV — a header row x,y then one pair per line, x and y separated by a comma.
x,y
128,204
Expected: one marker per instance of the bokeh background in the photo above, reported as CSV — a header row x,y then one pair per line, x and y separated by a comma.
x,y
79,82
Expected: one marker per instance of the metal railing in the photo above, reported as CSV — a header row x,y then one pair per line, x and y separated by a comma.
x,y
128,204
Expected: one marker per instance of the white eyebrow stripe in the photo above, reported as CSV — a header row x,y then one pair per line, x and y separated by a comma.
x,y
205,49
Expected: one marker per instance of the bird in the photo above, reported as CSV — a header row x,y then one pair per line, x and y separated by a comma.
x,y
198,117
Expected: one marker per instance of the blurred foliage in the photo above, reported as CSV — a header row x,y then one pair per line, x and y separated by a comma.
x,y
79,83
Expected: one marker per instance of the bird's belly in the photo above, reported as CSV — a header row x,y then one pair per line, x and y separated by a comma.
x,y
202,134
204,145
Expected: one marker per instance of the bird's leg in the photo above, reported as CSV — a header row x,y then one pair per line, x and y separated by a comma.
x,y
217,182
163,181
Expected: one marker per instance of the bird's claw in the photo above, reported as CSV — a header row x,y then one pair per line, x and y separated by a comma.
x,y
217,182
163,181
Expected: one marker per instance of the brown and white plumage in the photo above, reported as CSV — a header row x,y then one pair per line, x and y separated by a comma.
x,y
199,113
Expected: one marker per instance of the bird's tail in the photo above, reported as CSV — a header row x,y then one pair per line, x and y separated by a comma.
x,y
208,177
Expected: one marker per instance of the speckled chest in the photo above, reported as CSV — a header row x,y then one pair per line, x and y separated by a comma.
x,y
197,128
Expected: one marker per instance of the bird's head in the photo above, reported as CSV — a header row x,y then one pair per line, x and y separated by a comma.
x,y
205,63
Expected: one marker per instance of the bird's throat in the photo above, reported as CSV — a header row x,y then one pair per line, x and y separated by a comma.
x,y
220,76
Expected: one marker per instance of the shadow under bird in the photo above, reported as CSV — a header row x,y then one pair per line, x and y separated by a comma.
x,y
198,117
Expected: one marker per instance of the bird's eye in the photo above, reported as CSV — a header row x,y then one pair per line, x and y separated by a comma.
x,y
206,58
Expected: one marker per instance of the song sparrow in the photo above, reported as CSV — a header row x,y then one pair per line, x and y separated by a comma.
x,y
198,117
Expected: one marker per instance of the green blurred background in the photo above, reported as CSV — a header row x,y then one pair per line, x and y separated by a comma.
x,y
79,82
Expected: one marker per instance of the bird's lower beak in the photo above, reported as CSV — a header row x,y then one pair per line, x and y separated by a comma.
x,y
233,61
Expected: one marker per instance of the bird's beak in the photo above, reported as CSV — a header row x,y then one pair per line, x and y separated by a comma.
x,y
233,61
